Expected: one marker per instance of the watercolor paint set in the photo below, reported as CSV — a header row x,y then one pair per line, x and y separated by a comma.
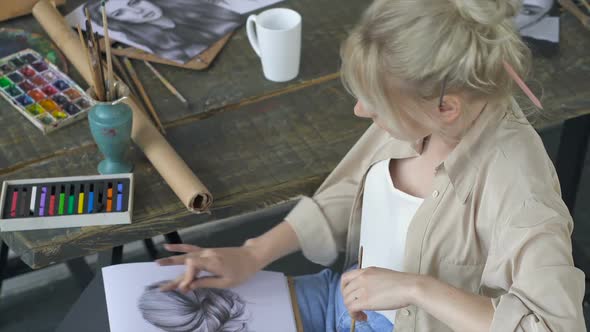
x,y
41,92
66,202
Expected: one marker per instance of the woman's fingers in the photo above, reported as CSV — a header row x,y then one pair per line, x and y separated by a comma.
x,y
174,260
172,285
181,248
210,282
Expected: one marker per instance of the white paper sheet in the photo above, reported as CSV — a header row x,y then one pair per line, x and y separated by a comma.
x,y
266,297
245,6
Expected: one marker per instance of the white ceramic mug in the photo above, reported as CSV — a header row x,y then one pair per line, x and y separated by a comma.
x,y
275,35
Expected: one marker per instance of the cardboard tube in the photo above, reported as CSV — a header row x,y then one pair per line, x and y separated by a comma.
x,y
189,189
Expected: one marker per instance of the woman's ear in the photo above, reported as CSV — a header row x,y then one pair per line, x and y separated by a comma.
x,y
450,110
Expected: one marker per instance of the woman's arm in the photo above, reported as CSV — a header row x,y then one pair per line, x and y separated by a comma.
x,y
382,289
458,309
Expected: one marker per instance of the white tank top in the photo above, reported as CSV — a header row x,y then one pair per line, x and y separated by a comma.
x,y
386,216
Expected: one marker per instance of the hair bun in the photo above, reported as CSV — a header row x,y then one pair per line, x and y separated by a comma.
x,y
487,12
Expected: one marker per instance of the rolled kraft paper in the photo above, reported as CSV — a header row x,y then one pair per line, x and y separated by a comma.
x,y
16,8
166,161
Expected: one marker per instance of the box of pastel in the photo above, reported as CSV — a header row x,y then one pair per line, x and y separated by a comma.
x,y
66,202
41,92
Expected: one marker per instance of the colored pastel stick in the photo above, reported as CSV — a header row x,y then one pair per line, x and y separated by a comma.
x,y
23,201
52,202
13,204
100,204
119,197
71,200
33,201
42,202
62,200
91,199
81,200
110,199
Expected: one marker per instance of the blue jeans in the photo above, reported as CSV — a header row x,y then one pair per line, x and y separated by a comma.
x,y
322,307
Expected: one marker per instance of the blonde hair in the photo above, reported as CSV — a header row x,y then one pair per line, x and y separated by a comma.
x,y
420,43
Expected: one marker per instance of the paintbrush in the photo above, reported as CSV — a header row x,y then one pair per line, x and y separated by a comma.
x,y
167,84
360,266
107,41
124,76
143,93
95,65
84,45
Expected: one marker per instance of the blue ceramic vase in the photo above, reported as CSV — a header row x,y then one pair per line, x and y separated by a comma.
x,y
110,124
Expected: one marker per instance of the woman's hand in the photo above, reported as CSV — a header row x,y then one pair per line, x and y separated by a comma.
x,y
377,289
228,266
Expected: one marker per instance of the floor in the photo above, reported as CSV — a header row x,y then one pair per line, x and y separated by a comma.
x,y
37,301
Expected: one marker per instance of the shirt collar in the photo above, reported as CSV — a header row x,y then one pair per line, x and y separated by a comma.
x,y
463,162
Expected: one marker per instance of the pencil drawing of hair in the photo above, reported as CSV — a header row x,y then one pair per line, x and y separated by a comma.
x,y
199,310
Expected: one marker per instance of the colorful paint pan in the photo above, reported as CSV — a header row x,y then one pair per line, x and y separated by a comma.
x,y
49,90
5,82
40,66
59,115
17,62
15,77
73,94
61,85
39,90
24,100
13,91
35,109
28,71
39,81
83,103
7,67
50,76
49,105
26,86
71,109
28,58
37,95
46,119
60,99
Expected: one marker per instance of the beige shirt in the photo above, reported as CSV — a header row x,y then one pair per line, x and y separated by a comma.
x,y
494,224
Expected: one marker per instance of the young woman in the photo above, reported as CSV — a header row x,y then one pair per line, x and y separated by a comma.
x,y
177,30
450,192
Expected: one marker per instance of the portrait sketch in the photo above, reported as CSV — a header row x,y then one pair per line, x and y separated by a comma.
x,y
532,12
176,30
135,302
199,310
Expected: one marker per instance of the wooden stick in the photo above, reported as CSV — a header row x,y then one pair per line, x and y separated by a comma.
x,y
167,84
143,94
570,6
84,45
586,4
360,266
107,41
124,76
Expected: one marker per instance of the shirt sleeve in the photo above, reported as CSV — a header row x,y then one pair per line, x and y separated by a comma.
x,y
321,222
533,265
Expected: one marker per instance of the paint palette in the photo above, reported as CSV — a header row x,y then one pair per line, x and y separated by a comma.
x,y
66,202
41,92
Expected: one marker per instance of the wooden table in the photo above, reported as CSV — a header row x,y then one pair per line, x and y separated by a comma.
x,y
254,143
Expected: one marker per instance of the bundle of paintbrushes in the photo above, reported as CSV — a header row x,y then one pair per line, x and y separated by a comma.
x,y
103,82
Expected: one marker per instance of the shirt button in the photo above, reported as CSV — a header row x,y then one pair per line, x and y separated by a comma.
x,y
405,312
435,194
